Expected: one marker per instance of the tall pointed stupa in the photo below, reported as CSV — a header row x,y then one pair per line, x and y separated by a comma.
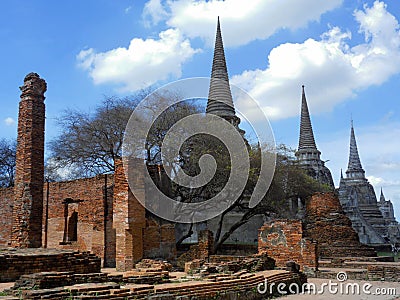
x,y
358,199
220,103
354,168
307,153
220,100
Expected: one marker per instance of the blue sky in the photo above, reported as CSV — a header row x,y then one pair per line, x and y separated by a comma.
x,y
346,52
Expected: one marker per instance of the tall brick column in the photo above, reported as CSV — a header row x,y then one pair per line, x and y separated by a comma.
x,y
29,177
129,216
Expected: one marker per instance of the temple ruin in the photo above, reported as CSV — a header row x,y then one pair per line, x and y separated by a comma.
x,y
358,199
92,239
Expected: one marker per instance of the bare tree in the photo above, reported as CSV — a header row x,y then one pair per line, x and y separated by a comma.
x,y
89,143
8,150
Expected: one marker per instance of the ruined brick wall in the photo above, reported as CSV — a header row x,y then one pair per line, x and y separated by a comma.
x,y
159,239
326,223
6,204
29,174
15,263
283,241
94,214
96,230
202,250
129,215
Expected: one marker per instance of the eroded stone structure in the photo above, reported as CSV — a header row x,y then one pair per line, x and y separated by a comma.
x,y
393,227
358,199
29,176
220,103
308,155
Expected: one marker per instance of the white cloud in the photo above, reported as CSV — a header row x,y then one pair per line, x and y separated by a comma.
x,y
242,21
376,181
140,65
9,121
154,12
381,182
334,70
147,61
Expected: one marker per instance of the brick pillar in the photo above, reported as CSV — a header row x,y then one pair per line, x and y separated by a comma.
x,y
129,216
29,176
206,243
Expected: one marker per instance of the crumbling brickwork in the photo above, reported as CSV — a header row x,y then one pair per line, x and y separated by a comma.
x,y
202,250
159,239
29,176
6,205
93,213
95,220
129,216
13,263
283,241
83,214
327,224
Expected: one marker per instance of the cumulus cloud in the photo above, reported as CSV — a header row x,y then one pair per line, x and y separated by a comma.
x,y
140,65
147,61
154,12
331,70
243,21
9,121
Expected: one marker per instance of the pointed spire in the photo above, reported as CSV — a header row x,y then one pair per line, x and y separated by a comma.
x,y
306,140
354,169
382,197
219,97
341,173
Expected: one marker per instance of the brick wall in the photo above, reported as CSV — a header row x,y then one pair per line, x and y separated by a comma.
x,y
283,241
93,215
6,204
13,263
159,239
202,250
99,214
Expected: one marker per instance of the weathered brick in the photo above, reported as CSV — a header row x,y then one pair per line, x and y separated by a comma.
x,y
283,240
326,223
29,175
